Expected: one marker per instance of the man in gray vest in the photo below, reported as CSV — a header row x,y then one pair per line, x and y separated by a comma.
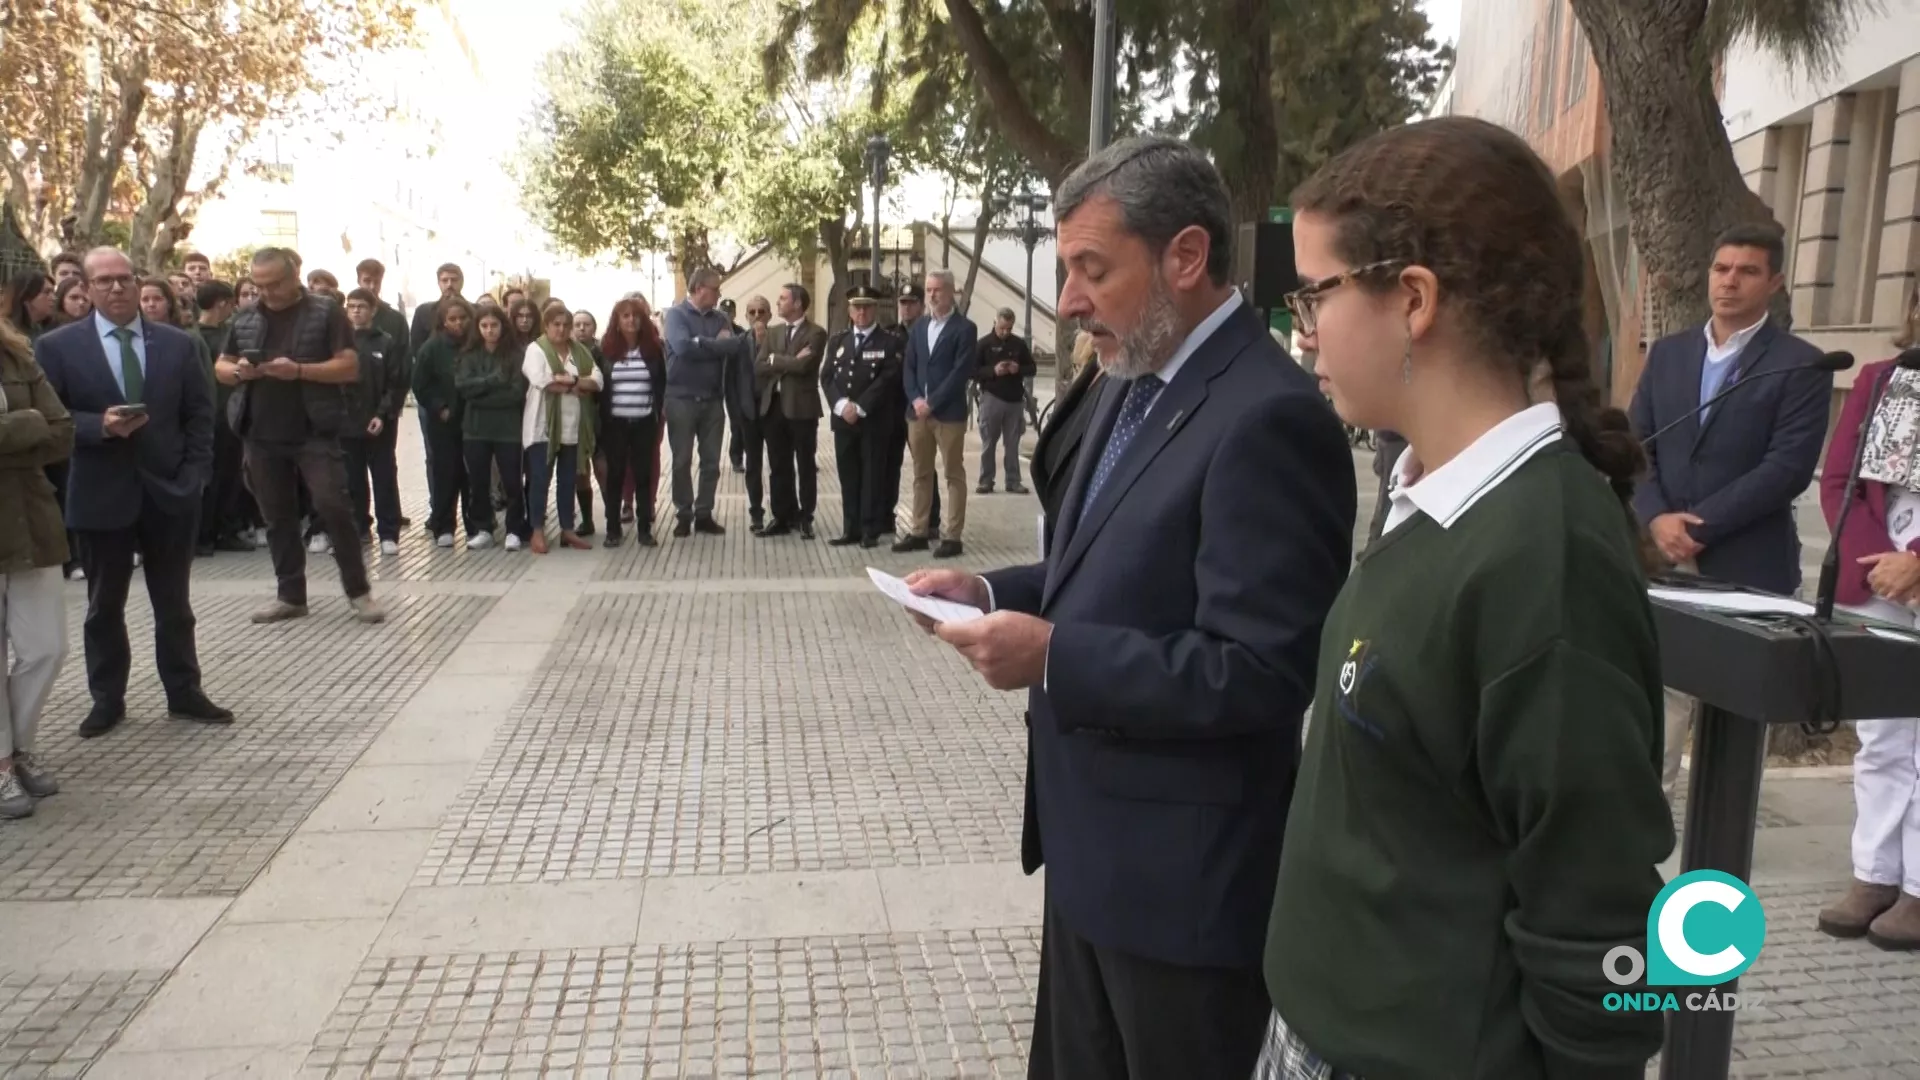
x,y
292,356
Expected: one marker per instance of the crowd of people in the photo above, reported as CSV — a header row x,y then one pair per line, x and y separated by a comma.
x,y
1431,882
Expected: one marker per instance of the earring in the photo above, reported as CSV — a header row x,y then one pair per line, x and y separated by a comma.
x,y
1406,362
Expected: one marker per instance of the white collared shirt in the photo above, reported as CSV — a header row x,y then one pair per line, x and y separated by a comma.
x,y
1718,364
935,325
1451,490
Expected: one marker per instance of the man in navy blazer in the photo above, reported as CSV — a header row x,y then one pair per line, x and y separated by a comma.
x,y
1167,643
939,364
143,453
1719,491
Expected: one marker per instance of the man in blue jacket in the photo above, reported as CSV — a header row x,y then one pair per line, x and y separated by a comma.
x,y
940,348
701,345
1719,491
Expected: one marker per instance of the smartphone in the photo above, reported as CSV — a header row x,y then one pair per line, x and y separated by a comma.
x,y
256,357
133,410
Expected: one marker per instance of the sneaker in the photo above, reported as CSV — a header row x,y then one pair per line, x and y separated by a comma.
x,y
15,803
38,784
78,575
366,609
280,611
444,540
320,545
480,541
389,547
512,543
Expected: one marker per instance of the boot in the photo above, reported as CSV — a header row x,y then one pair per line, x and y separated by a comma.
x,y
1898,930
1854,912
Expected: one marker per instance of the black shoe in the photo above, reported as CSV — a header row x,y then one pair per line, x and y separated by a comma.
x,y
948,549
706,526
806,530
756,522
843,540
405,521
1015,489
983,489
646,538
585,529
869,541
910,543
102,719
612,540
778,528
739,468
682,529
197,708
203,551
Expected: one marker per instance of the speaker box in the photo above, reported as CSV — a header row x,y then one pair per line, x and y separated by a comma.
x,y
1263,263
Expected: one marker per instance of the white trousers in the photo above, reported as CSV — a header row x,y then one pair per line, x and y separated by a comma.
x,y
33,645
1886,785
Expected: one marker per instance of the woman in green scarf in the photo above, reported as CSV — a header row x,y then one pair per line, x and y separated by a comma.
x,y
557,425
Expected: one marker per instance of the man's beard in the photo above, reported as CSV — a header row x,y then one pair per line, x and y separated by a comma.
x,y
1151,342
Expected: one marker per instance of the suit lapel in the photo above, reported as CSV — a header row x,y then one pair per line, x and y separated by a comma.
x,y
1744,365
1171,413
109,364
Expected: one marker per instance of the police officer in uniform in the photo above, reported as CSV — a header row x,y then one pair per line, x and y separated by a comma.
x,y
861,381
912,304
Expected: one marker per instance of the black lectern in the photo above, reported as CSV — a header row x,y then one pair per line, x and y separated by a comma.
x,y
1750,671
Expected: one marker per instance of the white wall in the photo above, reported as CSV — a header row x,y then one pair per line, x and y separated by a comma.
x,y
1760,91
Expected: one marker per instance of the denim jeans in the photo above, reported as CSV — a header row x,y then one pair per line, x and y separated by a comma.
x,y
540,479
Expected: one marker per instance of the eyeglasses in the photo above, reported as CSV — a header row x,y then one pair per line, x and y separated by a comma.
x,y
1303,302
112,282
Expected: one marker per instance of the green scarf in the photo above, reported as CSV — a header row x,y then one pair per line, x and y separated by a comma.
x,y
582,363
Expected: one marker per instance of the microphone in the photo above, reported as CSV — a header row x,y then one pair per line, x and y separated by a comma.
x,y
1830,566
1830,362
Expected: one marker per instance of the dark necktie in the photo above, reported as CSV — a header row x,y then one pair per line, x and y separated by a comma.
x,y
1133,414
130,373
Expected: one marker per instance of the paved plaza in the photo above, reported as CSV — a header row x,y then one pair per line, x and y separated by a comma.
x,y
709,809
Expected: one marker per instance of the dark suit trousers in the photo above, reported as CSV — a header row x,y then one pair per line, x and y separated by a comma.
x,y
1106,1015
791,447
220,507
861,452
447,462
164,543
275,472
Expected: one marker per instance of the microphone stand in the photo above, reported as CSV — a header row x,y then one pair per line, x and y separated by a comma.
x,y
1830,566
1736,386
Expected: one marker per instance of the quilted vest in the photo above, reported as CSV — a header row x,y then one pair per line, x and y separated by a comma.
x,y
326,405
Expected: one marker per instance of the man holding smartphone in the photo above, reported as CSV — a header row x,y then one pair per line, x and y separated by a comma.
x,y
290,409
143,450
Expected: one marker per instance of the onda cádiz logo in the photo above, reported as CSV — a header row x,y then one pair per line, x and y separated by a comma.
x,y
1704,929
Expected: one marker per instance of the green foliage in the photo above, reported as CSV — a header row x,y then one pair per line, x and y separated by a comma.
x,y
1806,34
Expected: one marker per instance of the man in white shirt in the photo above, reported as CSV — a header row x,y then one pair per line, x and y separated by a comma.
x,y
939,364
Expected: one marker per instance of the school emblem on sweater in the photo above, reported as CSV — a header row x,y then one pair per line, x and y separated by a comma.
x,y
1350,671
1354,671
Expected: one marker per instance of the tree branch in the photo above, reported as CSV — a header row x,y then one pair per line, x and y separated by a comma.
x,y
1023,127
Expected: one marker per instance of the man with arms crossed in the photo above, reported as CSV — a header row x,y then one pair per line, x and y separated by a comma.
x,y
1167,644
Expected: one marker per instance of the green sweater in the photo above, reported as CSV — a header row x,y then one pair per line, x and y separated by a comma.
x,y
494,390
1478,817
433,382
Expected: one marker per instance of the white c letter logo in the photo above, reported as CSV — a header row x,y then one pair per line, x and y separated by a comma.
x,y
1673,938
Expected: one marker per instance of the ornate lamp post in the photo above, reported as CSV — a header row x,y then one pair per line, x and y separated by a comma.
x,y
1031,205
878,149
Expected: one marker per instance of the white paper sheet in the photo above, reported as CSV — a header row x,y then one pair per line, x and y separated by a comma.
x,y
930,606
1741,602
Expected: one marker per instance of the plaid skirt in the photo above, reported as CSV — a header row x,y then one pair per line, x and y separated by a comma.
x,y
1284,1057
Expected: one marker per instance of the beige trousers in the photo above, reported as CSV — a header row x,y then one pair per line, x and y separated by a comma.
x,y
949,439
33,636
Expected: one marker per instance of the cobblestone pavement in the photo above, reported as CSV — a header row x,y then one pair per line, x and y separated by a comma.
x,y
711,809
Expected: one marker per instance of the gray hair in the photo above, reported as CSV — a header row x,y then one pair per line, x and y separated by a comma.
x,y
1004,313
1162,187
703,278
271,255
944,276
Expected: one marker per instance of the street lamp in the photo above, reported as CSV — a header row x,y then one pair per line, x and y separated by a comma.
x,y
878,148
1031,205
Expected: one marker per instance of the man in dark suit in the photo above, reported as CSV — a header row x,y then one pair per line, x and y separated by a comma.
x,y
788,374
939,365
143,454
861,381
1168,641
1719,491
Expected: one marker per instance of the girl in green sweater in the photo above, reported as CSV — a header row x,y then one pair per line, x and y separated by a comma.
x,y
493,390
1478,819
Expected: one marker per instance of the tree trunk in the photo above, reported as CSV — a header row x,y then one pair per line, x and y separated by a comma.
x,y
1023,129
1247,109
107,139
982,229
833,241
1670,147
154,224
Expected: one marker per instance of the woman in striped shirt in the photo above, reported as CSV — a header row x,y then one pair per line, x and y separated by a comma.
x,y
636,375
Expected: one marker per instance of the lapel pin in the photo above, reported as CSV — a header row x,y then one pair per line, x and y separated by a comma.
x,y
1175,422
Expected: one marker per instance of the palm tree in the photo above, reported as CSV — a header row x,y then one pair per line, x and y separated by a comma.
x,y
1657,61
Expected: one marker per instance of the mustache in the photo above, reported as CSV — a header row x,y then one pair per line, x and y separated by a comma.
x,y
1094,326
